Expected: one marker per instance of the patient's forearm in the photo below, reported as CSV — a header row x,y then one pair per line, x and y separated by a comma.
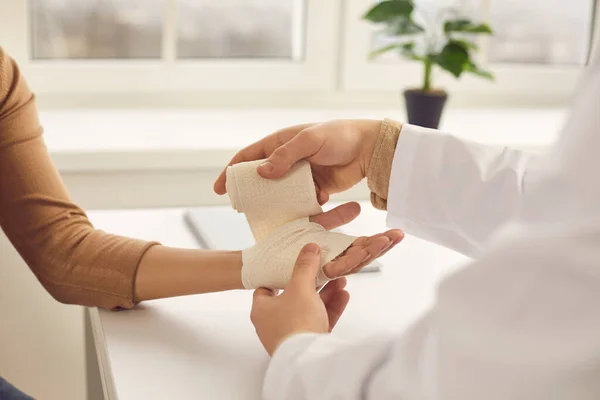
x,y
168,272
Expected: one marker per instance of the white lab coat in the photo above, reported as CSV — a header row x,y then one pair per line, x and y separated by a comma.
x,y
521,322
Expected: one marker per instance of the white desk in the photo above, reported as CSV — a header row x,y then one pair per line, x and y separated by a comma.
x,y
204,347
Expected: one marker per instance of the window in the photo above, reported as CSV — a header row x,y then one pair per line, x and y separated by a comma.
x,y
172,46
552,32
291,50
536,52
546,32
253,29
129,29
95,29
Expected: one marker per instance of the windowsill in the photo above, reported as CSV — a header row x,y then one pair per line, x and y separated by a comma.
x,y
146,140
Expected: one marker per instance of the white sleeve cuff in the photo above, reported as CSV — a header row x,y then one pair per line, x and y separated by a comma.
x,y
281,366
402,172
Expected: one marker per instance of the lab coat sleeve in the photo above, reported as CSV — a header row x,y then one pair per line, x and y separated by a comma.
x,y
453,192
520,323
296,370
325,367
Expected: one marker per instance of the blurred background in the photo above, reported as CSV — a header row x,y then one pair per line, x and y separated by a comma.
x,y
527,31
279,52
144,101
90,29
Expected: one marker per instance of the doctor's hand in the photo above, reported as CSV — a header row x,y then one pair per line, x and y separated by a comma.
x,y
299,308
339,152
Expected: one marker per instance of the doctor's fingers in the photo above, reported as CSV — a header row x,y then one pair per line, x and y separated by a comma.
x,y
263,292
305,270
331,288
259,150
335,299
302,146
336,306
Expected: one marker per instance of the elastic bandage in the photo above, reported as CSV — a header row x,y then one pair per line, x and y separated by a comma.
x,y
278,212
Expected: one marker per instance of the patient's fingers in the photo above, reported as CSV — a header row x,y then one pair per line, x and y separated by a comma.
x,y
344,263
362,252
355,256
341,215
395,237
322,196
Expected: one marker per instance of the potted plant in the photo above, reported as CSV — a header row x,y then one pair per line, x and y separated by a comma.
x,y
445,42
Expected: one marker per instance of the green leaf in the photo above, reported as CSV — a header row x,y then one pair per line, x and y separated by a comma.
x,y
403,26
465,44
474,69
414,57
407,50
453,58
408,46
389,10
386,49
466,26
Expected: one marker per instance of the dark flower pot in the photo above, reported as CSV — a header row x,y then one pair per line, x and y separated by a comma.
x,y
425,108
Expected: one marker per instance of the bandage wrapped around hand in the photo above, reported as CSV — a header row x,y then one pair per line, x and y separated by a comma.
x,y
278,212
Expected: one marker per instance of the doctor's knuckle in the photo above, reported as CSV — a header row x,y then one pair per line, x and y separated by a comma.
x,y
281,152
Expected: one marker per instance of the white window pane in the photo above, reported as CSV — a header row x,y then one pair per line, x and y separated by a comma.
x,y
540,31
96,29
240,29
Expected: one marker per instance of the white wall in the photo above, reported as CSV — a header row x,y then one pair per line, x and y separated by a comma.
x,y
41,340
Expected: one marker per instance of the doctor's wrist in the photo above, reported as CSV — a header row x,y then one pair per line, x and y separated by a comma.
x,y
380,164
369,132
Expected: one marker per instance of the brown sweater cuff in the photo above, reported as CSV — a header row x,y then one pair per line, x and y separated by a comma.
x,y
102,272
380,167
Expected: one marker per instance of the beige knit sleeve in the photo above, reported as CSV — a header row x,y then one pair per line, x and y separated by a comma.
x,y
75,263
380,167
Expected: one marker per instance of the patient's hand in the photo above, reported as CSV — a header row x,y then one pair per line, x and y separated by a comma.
x,y
364,249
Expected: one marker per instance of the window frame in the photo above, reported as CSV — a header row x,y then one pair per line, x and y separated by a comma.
x,y
524,83
314,72
335,71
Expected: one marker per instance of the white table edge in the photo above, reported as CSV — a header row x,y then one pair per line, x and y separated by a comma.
x,y
161,160
144,139
106,374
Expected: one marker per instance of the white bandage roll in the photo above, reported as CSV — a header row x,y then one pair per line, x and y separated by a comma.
x,y
277,212
270,203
